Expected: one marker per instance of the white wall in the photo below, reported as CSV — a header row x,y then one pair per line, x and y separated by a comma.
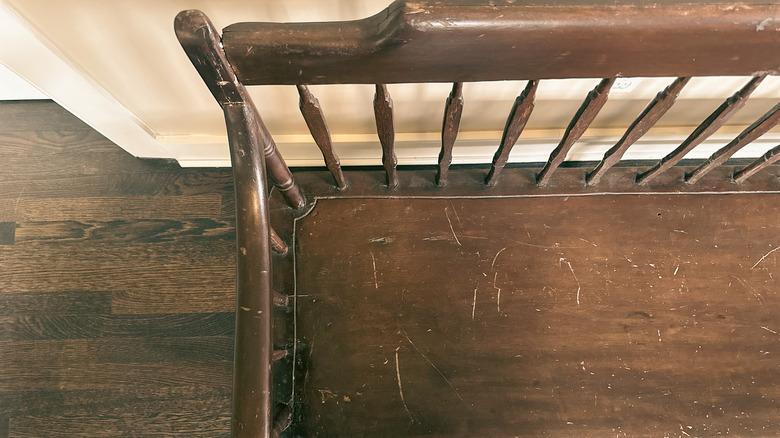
x,y
118,66
12,87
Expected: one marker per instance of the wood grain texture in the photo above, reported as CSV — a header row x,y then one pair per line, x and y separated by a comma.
x,y
650,115
112,208
579,124
7,233
501,40
715,121
545,324
40,115
749,135
315,120
117,297
515,122
383,113
453,109
766,160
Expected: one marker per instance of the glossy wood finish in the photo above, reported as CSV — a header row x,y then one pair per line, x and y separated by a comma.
x,y
632,315
449,131
708,127
766,160
252,376
579,124
315,120
200,40
251,146
383,113
647,119
515,122
481,40
750,134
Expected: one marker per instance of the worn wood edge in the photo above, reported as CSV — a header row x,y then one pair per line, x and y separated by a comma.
x,y
352,46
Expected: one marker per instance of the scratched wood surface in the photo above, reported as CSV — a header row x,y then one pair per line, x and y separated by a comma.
x,y
117,286
628,315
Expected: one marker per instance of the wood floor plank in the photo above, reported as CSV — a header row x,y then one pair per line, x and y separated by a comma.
x,y
197,349
130,399
69,302
142,278
79,153
195,423
37,115
112,376
131,231
111,208
629,315
44,327
7,233
145,183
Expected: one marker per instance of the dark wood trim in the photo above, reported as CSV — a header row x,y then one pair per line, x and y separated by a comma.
x,y
481,40
468,182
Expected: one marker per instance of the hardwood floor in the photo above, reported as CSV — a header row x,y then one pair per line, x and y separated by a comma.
x,y
650,314
116,286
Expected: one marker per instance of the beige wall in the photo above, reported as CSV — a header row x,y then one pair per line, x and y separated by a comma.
x,y
126,50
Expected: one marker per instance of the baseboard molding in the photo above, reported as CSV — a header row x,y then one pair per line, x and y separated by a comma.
x,y
423,149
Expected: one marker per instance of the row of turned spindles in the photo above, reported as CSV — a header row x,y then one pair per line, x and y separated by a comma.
x,y
520,113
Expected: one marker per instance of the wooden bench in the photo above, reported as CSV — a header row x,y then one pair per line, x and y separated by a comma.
x,y
460,42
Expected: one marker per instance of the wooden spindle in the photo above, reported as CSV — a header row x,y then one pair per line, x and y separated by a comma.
x,y
647,119
315,120
383,112
708,127
578,125
201,41
280,299
277,243
750,134
769,158
449,131
515,123
279,355
277,168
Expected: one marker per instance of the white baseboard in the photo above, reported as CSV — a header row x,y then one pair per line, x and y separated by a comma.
x,y
425,150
